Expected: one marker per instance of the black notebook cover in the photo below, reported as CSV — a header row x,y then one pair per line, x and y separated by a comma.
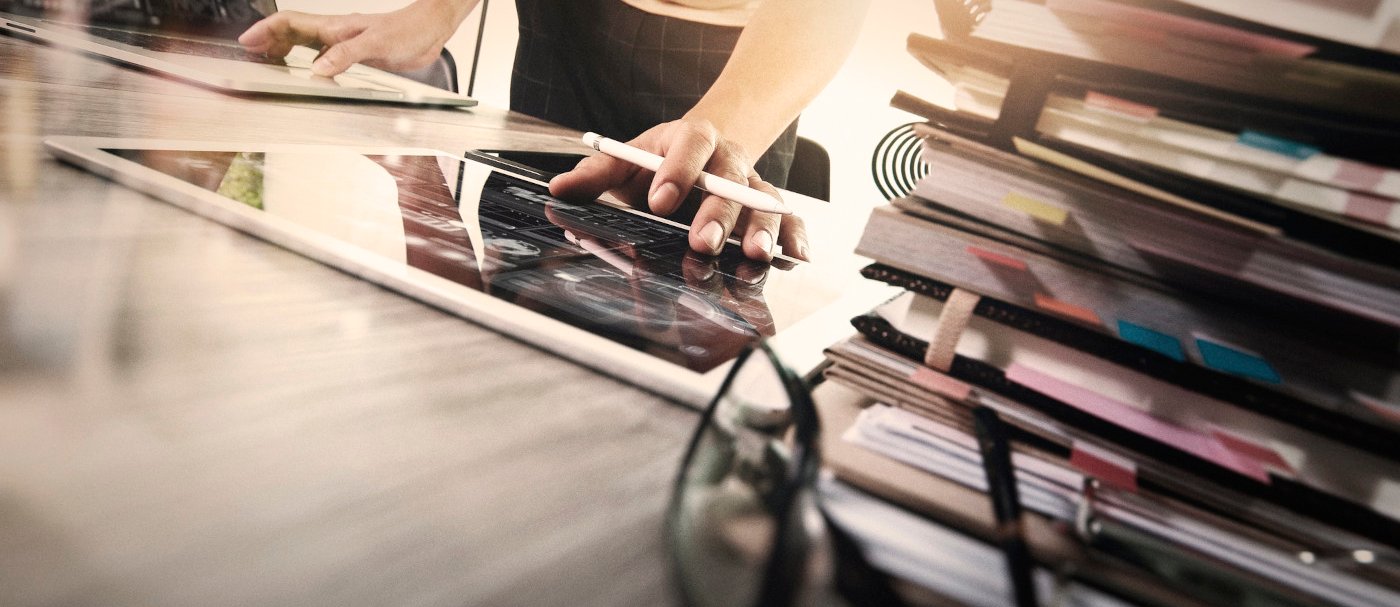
x,y
1283,492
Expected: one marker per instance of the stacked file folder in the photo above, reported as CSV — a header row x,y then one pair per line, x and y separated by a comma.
x,y
1164,246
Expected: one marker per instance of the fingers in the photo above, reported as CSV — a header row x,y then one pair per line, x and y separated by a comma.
x,y
685,149
336,34
341,55
792,237
592,176
761,230
697,146
716,217
260,36
759,233
689,148
278,33
393,41
708,232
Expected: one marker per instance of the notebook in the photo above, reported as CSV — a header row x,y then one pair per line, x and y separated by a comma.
x,y
197,42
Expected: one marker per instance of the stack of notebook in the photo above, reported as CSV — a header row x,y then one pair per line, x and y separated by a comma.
x,y
1163,245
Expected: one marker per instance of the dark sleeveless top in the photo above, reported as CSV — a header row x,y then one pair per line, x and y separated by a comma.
x,y
605,66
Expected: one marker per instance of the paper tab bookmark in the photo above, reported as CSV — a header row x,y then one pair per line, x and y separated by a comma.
x,y
1038,209
1235,361
1355,175
1263,454
1277,145
1156,341
1110,468
1389,411
1067,310
1130,109
997,258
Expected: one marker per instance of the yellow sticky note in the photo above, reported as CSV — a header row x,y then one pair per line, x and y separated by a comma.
x,y
1043,211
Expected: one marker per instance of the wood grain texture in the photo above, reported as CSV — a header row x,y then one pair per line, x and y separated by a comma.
x,y
192,416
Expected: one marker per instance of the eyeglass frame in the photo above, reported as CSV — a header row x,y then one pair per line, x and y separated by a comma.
x,y
780,574
778,585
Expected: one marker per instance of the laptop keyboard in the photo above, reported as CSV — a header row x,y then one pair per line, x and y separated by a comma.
x,y
170,44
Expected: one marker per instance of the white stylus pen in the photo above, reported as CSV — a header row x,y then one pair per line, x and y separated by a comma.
x,y
713,184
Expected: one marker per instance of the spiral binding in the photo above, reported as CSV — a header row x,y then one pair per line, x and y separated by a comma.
x,y
960,17
897,163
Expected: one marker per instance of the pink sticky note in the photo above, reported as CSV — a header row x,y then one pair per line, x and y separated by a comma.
x,y
1369,209
1120,106
1109,468
1389,411
997,258
940,383
1355,175
1196,443
1263,454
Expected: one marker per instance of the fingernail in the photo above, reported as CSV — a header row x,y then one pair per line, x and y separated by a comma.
x,y
713,235
804,252
322,66
663,200
764,240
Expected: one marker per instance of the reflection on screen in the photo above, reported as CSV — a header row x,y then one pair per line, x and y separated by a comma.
x,y
603,269
216,18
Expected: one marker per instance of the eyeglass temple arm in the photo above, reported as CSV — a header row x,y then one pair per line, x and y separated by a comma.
x,y
1006,503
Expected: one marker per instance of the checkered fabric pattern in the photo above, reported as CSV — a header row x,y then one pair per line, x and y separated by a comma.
x,y
604,66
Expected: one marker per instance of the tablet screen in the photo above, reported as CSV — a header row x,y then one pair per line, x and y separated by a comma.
x,y
613,272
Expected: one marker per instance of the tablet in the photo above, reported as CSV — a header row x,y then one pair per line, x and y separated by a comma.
x,y
607,286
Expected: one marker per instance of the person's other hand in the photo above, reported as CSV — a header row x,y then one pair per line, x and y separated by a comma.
x,y
406,39
690,147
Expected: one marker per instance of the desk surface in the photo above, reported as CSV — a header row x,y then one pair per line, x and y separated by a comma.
x,y
192,416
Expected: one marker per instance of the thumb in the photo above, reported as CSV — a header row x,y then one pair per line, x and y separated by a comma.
x,y
340,56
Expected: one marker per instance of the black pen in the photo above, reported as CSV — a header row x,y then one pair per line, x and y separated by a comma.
x,y
1006,503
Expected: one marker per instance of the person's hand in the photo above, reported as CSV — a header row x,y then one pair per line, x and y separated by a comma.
x,y
690,147
406,39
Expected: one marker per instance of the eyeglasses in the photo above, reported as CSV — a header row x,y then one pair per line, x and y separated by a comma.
x,y
745,524
741,519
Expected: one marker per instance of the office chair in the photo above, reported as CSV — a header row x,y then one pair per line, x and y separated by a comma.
x,y
441,73
810,174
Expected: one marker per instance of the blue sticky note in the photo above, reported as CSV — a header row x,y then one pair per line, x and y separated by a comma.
x,y
1229,360
1277,145
1156,341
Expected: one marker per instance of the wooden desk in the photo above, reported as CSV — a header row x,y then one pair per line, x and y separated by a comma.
x,y
189,416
